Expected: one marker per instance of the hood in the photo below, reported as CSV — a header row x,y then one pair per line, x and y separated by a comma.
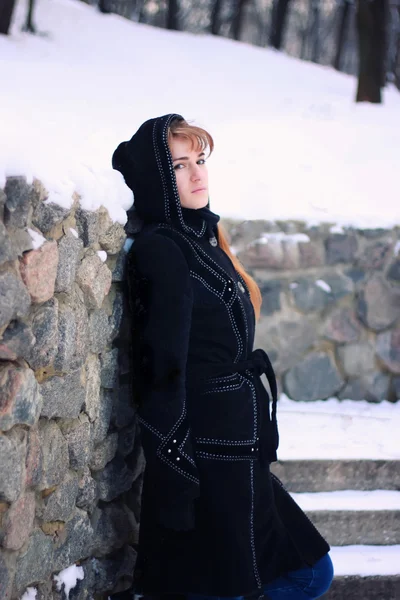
x,y
145,162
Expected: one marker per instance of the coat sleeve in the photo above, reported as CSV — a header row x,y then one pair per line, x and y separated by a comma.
x,y
164,338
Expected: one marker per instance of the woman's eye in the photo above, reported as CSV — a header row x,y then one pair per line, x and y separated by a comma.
x,y
202,161
178,166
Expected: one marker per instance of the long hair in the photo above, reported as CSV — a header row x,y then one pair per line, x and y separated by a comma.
x,y
200,138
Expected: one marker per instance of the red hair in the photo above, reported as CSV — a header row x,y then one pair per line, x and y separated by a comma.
x,y
200,138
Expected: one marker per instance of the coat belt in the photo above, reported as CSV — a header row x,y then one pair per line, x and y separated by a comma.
x,y
260,364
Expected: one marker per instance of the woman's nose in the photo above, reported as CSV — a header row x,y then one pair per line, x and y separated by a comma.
x,y
196,173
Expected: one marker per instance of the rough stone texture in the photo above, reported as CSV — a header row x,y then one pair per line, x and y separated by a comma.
x,y
92,400
378,304
375,255
394,271
270,292
45,329
77,544
18,522
88,226
123,411
109,369
396,387
113,526
7,251
315,377
69,250
342,326
5,583
102,422
34,459
20,400
118,271
308,296
73,324
103,575
47,215
94,277
12,462
18,206
388,349
78,434
340,248
372,387
115,479
311,254
17,341
115,321
104,452
341,286
113,239
14,298
35,563
63,397
126,439
357,358
59,505
38,271
87,492
99,331
55,454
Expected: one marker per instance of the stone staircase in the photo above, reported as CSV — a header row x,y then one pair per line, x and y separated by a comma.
x,y
361,524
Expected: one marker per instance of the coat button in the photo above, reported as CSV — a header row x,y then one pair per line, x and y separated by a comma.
x,y
241,287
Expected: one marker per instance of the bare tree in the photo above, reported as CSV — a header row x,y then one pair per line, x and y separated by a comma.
x,y
372,30
215,18
6,12
172,15
29,25
344,13
315,30
238,18
278,22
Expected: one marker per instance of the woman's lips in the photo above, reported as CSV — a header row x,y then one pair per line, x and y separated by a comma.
x,y
203,189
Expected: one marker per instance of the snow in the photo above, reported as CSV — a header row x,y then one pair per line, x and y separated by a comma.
x,y
37,238
68,578
29,594
280,236
323,285
291,143
102,255
348,500
338,429
366,560
74,232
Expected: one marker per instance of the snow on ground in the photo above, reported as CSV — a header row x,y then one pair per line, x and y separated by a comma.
x,y
290,141
366,560
338,429
29,594
348,500
67,579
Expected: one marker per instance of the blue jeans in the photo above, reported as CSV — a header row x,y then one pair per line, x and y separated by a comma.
x,y
302,584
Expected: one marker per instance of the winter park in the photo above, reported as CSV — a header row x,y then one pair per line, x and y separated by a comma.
x,y
139,453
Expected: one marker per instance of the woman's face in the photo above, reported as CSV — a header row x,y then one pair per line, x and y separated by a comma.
x,y
190,172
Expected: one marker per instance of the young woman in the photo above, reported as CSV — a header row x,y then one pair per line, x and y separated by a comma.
x,y
215,523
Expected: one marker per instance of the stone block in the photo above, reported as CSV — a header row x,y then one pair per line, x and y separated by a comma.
x,y
115,479
3,199
375,255
69,251
357,358
113,239
63,397
396,387
94,278
355,274
104,452
18,206
34,459
38,271
123,410
17,341
14,298
315,377
12,464
92,399
340,248
73,325
118,270
113,527
59,505
342,326
126,439
99,331
311,254
309,296
78,435
7,251
388,349
87,491
394,271
378,304
44,321
109,369
340,285
102,421
18,522
104,574
6,575
271,295
47,215
76,543
20,400
372,387
55,454
115,320
35,563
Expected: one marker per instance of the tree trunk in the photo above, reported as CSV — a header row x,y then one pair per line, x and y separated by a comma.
x,y
397,61
6,11
29,26
215,19
172,15
341,33
315,50
278,22
103,7
372,27
237,22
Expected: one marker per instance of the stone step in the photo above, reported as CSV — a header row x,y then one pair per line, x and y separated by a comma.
x,y
365,573
331,475
354,517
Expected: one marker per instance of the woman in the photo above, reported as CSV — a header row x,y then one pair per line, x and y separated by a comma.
x,y
214,522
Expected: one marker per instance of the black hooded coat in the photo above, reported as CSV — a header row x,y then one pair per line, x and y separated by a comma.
x,y
214,520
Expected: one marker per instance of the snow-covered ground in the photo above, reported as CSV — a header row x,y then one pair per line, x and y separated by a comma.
x,y
335,429
290,141
366,560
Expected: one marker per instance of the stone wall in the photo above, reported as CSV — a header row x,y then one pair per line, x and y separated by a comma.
x,y
331,306
68,449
